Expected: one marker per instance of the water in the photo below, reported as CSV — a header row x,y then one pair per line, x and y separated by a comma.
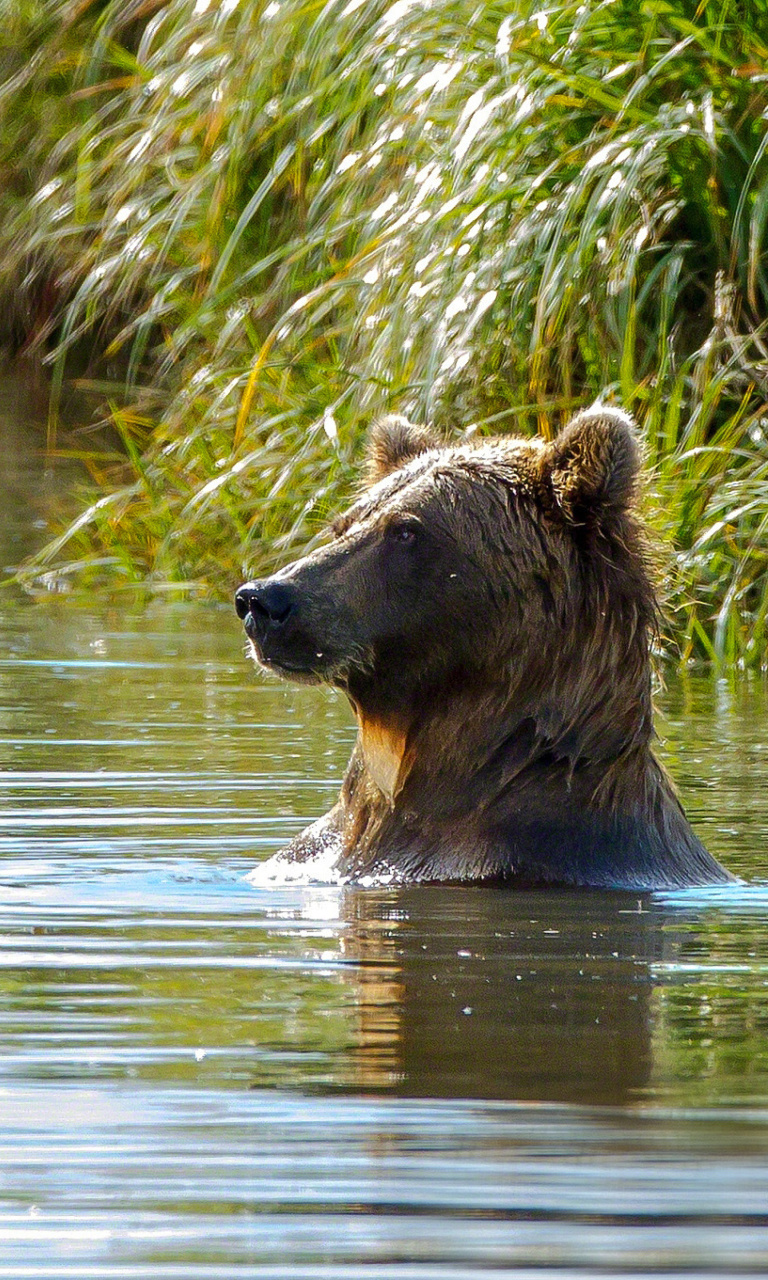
x,y
202,1079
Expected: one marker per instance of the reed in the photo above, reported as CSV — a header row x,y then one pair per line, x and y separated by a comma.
x,y
289,217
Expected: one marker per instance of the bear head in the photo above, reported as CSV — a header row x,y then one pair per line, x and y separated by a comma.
x,y
503,559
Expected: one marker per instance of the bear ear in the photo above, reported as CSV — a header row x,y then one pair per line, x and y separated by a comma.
x,y
594,465
392,442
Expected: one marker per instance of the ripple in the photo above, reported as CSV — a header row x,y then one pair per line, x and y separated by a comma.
x,y
208,1072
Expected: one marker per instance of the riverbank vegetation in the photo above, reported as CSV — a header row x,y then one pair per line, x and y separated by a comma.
x,y
256,226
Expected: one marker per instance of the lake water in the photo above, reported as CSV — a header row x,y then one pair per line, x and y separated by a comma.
x,y
202,1080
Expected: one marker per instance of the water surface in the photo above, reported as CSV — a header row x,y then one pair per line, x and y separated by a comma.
x,y
199,1078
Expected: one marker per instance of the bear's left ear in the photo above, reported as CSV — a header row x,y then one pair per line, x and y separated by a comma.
x,y
392,442
594,465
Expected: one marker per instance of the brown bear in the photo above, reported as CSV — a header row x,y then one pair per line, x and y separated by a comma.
x,y
487,608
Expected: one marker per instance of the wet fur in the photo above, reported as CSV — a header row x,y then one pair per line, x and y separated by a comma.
x,y
501,681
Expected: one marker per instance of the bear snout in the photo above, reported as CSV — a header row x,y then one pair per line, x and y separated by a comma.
x,y
264,607
279,625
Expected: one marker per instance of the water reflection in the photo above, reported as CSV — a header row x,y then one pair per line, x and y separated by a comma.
x,y
474,992
29,481
177,973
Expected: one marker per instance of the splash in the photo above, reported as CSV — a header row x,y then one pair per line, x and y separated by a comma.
x,y
282,870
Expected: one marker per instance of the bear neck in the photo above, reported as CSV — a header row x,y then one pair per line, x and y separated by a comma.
x,y
467,747
500,783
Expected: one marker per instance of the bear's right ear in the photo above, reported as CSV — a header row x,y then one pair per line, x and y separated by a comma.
x,y
392,442
594,465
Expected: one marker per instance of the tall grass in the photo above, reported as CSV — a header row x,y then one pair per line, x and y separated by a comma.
x,y
290,216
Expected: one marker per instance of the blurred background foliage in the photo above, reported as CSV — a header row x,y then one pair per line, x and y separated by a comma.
x,y
251,227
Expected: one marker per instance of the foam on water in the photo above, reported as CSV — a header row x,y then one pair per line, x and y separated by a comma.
x,y
280,872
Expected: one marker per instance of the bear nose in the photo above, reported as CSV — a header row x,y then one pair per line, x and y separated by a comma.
x,y
269,603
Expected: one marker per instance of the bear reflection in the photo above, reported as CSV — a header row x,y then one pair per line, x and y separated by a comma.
x,y
476,992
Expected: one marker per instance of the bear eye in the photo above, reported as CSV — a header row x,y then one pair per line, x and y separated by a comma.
x,y
403,533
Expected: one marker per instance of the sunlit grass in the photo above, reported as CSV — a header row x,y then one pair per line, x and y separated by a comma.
x,y
293,216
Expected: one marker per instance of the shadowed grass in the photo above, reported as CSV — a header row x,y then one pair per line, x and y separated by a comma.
x,y
294,216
